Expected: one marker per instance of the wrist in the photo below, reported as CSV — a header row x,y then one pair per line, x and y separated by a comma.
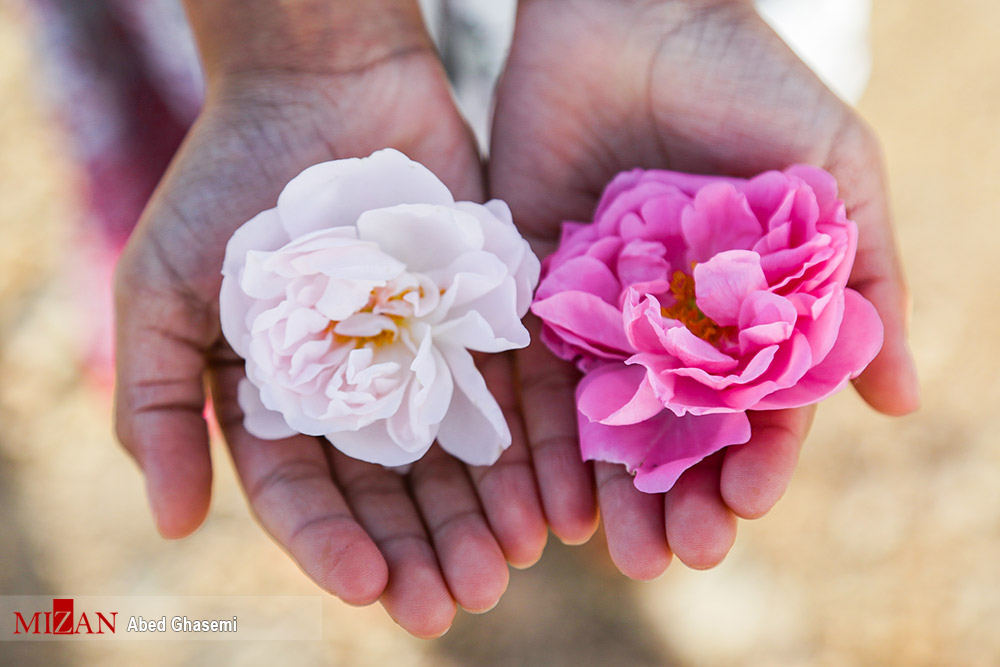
x,y
263,38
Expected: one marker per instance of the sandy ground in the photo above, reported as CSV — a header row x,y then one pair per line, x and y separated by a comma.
x,y
884,551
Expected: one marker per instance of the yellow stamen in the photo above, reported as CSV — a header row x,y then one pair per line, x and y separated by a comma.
x,y
384,337
685,310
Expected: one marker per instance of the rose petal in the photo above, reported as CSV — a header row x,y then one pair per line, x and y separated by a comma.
x,y
581,274
724,281
681,442
257,419
765,319
660,449
641,262
587,318
616,395
718,220
262,232
374,445
856,346
474,430
422,236
488,324
336,193
821,183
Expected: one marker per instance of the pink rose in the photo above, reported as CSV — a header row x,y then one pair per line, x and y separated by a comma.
x,y
692,299
356,301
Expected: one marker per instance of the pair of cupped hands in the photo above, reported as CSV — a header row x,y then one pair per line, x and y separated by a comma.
x,y
591,88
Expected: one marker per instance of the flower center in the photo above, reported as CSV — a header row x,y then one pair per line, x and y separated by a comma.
x,y
384,337
392,310
685,310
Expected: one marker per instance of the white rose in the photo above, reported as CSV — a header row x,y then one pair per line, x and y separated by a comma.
x,y
356,301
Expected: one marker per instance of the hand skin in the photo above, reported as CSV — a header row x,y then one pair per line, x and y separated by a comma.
x,y
291,83
594,87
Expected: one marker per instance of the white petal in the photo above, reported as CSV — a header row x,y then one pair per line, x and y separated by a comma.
x,y
348,259
468,277
504,241
257,419
258,280
423,236
373,444
428,397
488,324
234,307
364,325
526,278
335,194
501,238
262,232
303,322
474,430
343,298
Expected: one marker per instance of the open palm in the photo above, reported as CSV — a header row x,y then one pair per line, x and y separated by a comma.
x,y
421,543
594,87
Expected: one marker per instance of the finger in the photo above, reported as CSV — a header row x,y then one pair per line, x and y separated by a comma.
x,y
755,475
159,401
471,560
700,527
416,596
633,523
507,489
890,382
549,409
290,488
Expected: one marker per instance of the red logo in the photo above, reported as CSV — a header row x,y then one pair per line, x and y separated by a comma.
x,y
62,621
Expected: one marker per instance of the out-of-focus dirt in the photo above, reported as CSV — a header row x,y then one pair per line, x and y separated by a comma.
x,y
884,551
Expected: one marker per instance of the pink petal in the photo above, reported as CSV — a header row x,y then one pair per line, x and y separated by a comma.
x,y
765,319
659,449
695,352
586,317
661,216
770,197
581,274
789,364
858,342
684,441
616,394
648,331
821,182
642,262
804,216
756,367
784,265
643,321
724,281
823,329
719,219
617,202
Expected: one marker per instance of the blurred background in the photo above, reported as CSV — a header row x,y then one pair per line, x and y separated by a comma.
x,y
886,549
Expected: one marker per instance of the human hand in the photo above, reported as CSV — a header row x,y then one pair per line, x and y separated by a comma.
x,y
594,87
291,84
